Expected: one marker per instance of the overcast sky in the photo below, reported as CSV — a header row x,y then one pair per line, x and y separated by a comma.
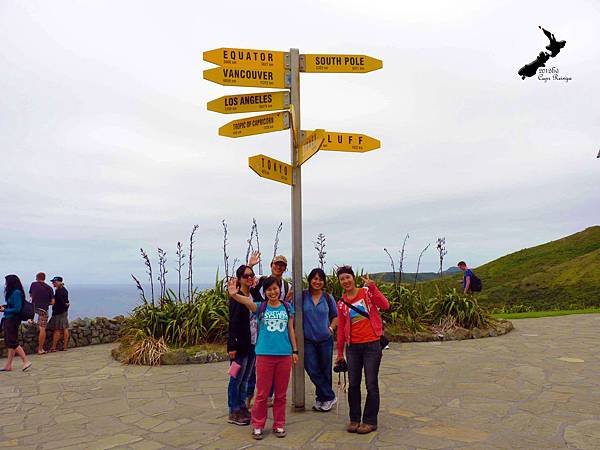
x,y
106,144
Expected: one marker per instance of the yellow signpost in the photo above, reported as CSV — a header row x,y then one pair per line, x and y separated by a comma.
x,y
271,168
236,57
260,101
349,142
311,143
250,126
326,63
274,69
249,77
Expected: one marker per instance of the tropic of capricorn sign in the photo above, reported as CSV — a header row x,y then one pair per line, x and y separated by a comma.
x,y
276,69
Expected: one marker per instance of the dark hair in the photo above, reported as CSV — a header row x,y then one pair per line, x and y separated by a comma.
x,y
41,276
12,284
240,272
313,273
345,269
268,282
461,263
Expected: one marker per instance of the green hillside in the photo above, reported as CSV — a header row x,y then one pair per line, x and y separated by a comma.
x,y
560,274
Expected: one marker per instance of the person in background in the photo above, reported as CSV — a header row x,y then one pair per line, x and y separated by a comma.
x,y
276,349
319,323
360,331
59,322
240,350
467,277
14,296
42,296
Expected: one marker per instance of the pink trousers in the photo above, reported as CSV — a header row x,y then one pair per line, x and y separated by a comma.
x,y
271,370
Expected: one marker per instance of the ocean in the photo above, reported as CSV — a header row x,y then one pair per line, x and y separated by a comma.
x,y
106,300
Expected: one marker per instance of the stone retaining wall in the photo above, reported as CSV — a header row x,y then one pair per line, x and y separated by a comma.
x,y
100,330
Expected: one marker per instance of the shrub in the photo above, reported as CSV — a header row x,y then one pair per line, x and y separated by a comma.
x,y
406,307
465,310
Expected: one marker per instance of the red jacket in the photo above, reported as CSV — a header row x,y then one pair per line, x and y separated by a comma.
x,y
374,301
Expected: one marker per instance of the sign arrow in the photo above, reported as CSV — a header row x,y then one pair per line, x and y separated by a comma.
x,y
349,142
250,126
243,103
326,63
311,143
270,168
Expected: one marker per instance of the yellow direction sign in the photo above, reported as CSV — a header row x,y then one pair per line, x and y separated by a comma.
x,y
256,125
326,63
271,168
244,57
348,142
249,77
311,143
260,101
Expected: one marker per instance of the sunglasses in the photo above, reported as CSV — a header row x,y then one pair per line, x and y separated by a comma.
x,y
248,275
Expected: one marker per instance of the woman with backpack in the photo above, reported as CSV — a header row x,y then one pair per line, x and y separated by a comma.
x,y
14,294
276,349
360,332
319,322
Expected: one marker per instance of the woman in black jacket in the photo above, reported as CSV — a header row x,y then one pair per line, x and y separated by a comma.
x,y
240,350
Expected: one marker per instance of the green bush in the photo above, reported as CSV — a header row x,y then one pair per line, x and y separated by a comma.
x,y
464,309
201,320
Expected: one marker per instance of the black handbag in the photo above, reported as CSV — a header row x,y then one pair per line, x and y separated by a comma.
x,y
383,341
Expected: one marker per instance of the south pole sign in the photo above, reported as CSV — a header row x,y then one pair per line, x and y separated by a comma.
x,y
281,70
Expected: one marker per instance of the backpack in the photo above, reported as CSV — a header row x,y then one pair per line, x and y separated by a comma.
x,y
263,307
476,284
27,311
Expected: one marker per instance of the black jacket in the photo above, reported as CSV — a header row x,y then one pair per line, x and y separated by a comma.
x,y
238,338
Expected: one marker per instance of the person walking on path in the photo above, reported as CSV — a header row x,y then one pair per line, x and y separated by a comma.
x,y
319,322
276,349
468,276
42,296
59,322
360,331
14,296
240,350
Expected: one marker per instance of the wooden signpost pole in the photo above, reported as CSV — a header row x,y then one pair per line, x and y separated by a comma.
x,y
298,395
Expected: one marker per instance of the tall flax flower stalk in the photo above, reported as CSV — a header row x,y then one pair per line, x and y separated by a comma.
x,y
190,278
148,265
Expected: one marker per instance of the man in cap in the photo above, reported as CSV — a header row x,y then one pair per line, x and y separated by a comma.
x,y
59,322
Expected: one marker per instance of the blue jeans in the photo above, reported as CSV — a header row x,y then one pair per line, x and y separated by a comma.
x,y
368,357
237,391
317,363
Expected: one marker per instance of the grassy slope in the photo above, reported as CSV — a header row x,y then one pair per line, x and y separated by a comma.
x,y
561,274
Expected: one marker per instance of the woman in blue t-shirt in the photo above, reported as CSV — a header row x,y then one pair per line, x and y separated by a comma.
x,y
276,349
319,322
14,296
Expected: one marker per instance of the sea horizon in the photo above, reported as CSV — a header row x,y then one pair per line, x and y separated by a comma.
x,y
89,300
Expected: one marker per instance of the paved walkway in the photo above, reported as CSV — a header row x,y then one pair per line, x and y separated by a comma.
x,y
537,387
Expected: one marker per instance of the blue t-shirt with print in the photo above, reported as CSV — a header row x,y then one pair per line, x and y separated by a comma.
x,y
273,337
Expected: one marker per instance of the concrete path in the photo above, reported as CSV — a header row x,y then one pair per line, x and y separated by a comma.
x,y
535,388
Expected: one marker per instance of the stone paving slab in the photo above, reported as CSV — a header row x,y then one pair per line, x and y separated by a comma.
x,y
535,388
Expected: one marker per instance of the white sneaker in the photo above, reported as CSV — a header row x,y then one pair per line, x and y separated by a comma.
x,y
326,406
318,405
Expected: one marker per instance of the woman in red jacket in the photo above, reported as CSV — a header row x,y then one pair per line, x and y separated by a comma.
x,y
359,330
